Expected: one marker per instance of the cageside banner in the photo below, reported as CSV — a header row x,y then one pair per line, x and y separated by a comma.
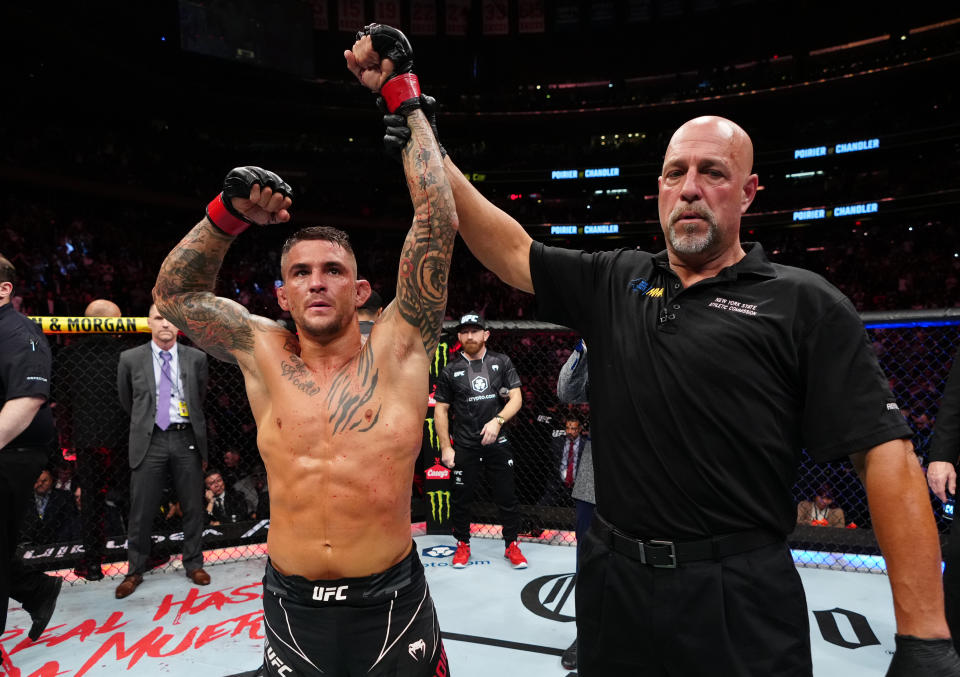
x,y
91,325
63,555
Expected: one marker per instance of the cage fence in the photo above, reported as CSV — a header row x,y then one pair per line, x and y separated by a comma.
x,y
90,472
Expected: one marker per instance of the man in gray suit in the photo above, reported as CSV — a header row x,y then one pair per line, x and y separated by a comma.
x,y
162,386
572,388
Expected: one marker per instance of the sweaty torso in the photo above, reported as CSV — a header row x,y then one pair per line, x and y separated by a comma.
x,y
339,441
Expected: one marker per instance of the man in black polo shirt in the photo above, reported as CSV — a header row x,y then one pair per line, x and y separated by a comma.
x,y
27,436
472,384
710,369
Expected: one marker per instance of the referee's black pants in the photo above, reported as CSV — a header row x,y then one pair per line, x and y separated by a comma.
x,y
19,470
743,615
497,458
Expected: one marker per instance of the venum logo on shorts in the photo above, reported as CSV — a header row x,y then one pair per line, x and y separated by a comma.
x,y
274,660
415,647
479,384
322,594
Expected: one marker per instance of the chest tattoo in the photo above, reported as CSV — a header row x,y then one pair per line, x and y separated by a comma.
x,y
349,393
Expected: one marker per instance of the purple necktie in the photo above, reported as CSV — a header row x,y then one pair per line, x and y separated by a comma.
x,y
163,399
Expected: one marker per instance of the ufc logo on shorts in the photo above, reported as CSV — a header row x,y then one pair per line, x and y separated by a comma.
x,y
324,594
282,668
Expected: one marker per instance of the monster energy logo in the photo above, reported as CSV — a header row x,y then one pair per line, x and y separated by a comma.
x,y
440,355
436,505
432,435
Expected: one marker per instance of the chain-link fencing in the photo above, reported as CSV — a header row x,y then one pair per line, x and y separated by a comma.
x,y
83,522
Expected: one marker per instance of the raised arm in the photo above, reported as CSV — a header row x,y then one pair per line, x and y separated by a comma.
x,y
425,260
382,60
184,289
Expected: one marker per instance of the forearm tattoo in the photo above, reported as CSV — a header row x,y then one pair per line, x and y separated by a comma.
x,y
184,295
425,260
349,393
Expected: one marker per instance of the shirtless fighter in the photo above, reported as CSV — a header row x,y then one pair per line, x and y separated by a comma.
x,y
338,424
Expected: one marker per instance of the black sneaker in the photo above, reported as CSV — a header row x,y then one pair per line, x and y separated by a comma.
x,y
41,617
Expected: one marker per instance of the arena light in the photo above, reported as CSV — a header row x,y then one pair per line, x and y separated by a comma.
x,y
911,325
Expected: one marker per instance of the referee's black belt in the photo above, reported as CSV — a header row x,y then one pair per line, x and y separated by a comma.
x,y
670,554
173,426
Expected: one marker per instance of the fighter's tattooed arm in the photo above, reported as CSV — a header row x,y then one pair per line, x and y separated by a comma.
x,y
184,295
425,260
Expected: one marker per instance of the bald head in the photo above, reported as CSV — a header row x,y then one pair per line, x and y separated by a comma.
x,y
705,187
724,135
102,308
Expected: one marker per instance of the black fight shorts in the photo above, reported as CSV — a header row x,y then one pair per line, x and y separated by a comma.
x,y
382,625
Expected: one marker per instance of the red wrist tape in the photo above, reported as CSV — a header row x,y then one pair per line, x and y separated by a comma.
x,y
399,89
220,217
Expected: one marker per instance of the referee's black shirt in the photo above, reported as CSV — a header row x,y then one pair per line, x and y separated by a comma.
x,y
474,390
702,398
25,363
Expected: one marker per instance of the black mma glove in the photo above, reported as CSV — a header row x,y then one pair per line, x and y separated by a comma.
x,y
397,133
238,183
927,657
401,91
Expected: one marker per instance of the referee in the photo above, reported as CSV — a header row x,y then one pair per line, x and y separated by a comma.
x,y
472,384
710,369
27,435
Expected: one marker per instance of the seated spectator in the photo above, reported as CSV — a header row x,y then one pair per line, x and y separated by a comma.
x,y
49,514
65,476
820,511
223,505
236,476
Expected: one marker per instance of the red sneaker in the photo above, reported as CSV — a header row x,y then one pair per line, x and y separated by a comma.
x,y
462,556
516,557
